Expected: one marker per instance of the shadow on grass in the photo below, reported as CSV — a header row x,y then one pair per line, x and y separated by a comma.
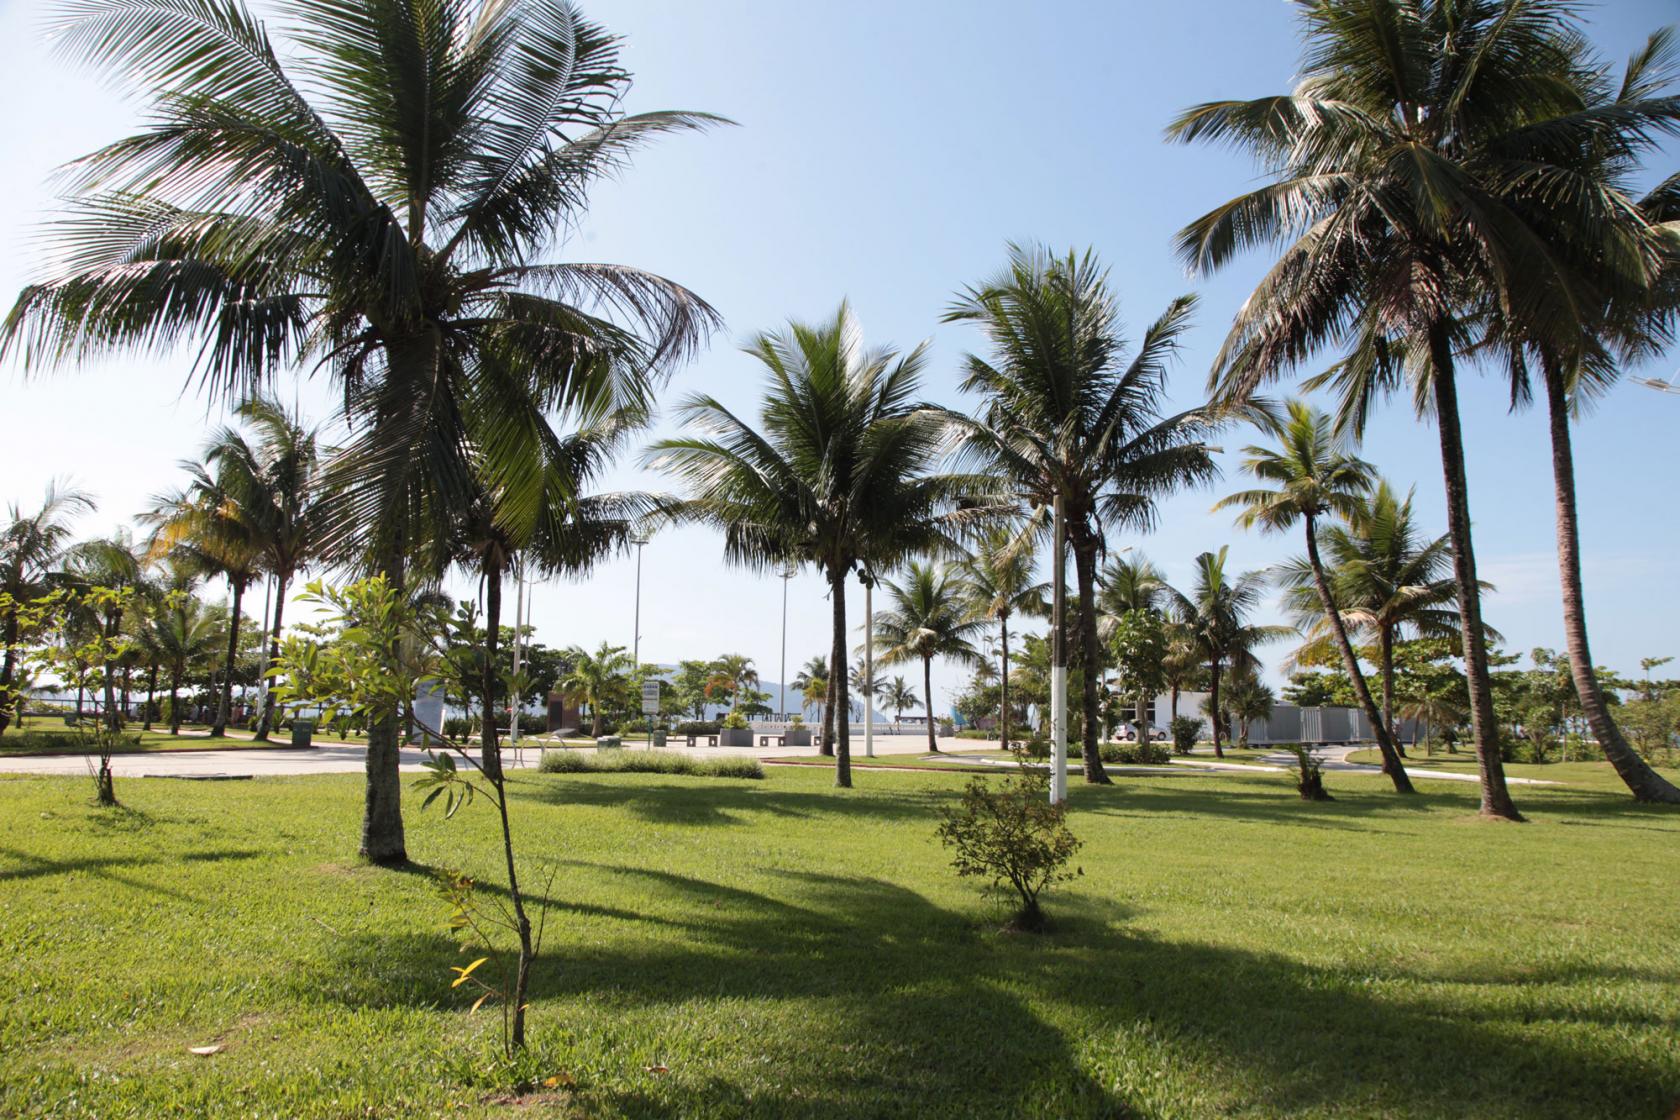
x,y
901,1007
723,801
16,867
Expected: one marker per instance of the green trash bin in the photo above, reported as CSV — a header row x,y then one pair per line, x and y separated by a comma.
x,y
303,733
659,738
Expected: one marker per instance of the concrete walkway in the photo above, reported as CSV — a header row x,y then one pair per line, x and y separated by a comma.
x,y
335,758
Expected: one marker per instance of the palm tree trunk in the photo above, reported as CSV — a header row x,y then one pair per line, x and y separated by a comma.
x,y
1392,766
490,751
382,826
175,701
1213,706
1496,796
1003,682
927,691
825,713
266,721
1085,571
1174,705
225,705
1385,655
837,673
1645,783
8,668
151,695
113,623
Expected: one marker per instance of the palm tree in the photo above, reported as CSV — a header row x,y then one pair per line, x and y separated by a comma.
x,y
530,508
1214,615
734,674
811,682
1074,426
1407,171
600,680
1182,667
1312,477
1388,583
899,696
203,524
863,684
999,582
114,563
31,546
391,226
836,472
1129,585
927,618
1248,699
187,632
1636,301
270,479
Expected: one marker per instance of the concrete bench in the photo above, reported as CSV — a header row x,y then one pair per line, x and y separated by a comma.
x,y
764,740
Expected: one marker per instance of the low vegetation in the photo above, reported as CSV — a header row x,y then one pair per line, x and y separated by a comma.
x,y
648,762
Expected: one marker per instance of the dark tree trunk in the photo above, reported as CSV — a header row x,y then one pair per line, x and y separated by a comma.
x,y
1174,705
837,674
1213,706
826,713
1003,682
112,718
1496,796
1385,653
382,825
266,721
122,707
522,923
224,706
490,753
1392,766
8,668
1645,783
927,691
175,701
1085,571
151,695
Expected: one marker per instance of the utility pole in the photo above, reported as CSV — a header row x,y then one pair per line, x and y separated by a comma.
x,y
869,665
787,574
1058,657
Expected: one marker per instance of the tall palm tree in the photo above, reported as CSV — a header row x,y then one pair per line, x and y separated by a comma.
x,y
600,679
898,696
270,478
1214,615
31,546
927,617
1075,425
1182,668
999,582
531,509
1313,477
381,204
1634,304
1389,582
1129,584
1407,170
836,473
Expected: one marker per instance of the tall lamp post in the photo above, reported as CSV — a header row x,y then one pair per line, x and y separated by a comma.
x,y
787,574
638,540
869,664
1058,658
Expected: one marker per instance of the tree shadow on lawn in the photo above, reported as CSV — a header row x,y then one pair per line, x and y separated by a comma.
x,y
31,866
857,996
723,801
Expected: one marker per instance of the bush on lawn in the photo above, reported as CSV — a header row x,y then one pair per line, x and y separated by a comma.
x,y
1185,732
648,762
1009,833
1137,754
697,727
22,742
976,733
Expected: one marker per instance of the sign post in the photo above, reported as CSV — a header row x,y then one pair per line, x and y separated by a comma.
x,y
650,706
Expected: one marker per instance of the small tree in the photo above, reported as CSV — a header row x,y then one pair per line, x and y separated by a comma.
x,y
1012,835
370,669
1309,775
1185,732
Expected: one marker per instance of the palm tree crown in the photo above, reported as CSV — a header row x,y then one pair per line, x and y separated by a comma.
x,y
927,617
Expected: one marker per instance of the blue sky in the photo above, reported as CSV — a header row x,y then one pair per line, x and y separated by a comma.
x,y
885,153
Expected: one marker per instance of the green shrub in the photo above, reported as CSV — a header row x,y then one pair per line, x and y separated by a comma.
x,y
648,762
734,721
58,742
1010,834
1137,754
976,733
696,727
1184,731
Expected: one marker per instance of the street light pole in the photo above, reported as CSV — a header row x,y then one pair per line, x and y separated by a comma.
x,y
868,665
636,640
1058,657
787,574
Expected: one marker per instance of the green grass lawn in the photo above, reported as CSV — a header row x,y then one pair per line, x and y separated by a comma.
x,y
192,738
778,948
1596,775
